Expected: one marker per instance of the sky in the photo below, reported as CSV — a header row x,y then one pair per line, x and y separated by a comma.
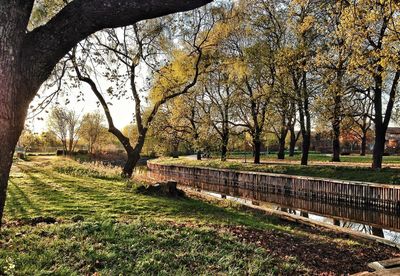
x,y
121,110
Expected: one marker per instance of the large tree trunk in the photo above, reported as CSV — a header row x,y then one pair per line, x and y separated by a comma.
x,y
16,91
12,119
10,132
6,155
382,122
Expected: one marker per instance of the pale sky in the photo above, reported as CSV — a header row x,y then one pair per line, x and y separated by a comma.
x,y
121,110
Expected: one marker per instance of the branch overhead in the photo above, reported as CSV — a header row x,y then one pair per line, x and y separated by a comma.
x,y
47,44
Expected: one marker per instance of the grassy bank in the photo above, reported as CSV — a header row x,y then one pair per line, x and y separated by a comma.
x,y
66,218
316,157
364,174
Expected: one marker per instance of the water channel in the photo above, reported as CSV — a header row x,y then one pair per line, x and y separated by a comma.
x,y
372,221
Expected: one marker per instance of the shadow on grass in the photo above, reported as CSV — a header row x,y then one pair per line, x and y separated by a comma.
x,y
14,205
70,195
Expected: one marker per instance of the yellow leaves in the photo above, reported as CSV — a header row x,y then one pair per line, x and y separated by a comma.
x,y
307,24
238,69
173,76
220,32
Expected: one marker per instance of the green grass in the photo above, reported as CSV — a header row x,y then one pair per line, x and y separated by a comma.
x,y
363,174
122,231
104,227
317,157
139,248
37,189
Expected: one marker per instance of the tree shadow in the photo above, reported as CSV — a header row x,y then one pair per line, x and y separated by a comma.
x,y
14,205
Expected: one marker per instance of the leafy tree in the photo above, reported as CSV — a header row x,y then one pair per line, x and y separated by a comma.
x,y
144,44
65,124
253,73
332,60
360,123
92,129
217,105
372,31
27,58
299,55
183,118
29,140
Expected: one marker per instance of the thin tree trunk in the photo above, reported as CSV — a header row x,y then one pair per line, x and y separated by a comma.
x,y
293,141
305,149
379,146
363,144
336,142
224,141
224,150
379,149
70,146
130,164
198,155
281,151
337,114
175,149
257,150
336,128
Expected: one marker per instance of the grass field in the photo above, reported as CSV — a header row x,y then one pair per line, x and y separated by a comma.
x,y
66,218
316,157
362,173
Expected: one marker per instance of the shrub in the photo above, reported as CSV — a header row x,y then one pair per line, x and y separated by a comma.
x,y
95,170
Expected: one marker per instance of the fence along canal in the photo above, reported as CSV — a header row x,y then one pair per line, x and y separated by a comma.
x,y
368,203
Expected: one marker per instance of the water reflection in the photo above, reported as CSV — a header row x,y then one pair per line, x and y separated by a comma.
x,y
373,221
368,221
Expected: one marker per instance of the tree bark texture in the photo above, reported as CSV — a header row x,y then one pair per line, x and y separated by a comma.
x,y
363,144
224,145
336,121
257,150
282,142
293,141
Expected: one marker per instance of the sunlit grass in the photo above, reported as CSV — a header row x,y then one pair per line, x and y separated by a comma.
x,y
317,157
104,226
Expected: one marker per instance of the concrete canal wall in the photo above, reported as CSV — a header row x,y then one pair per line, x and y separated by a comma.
x,y
260,186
